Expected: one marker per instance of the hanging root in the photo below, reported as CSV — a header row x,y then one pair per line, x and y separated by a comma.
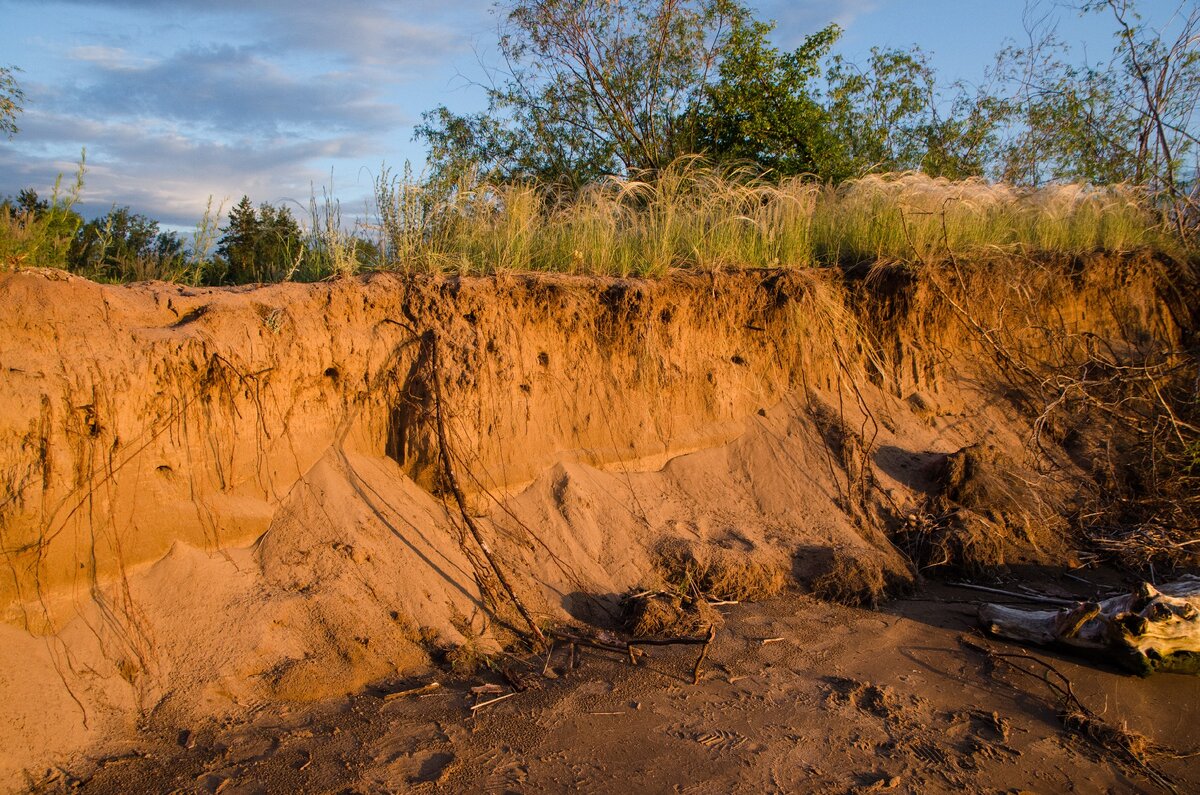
x,y
447,462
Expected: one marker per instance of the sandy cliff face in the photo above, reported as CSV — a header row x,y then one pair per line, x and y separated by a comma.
x,y
213,497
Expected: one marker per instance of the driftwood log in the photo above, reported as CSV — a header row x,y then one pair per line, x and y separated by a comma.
x,y
1150,629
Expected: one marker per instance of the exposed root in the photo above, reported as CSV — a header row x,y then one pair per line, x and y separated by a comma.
x,y
1128,749
981,516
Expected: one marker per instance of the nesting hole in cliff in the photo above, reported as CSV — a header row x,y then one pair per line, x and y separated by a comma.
x,y
332,374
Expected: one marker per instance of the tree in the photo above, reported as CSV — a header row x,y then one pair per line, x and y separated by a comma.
x,y
11,99
27,202
890,116
591,87
1129,119
762,108
626,86
1164,83
260,245
123,245
237,246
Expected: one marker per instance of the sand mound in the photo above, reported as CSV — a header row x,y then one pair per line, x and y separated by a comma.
x,y
221,497
983,514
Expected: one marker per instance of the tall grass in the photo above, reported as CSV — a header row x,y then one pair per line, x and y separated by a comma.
x,y
691,215
696,216
42,239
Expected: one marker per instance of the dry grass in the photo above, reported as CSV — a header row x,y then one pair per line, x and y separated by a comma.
x,y
690,215
851,579
655,614
693,215
701,570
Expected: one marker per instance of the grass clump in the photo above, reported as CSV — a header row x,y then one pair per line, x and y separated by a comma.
x,y
41,237
657,614
850,579
717,573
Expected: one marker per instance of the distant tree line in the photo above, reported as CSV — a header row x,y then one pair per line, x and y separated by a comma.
x,y
256,244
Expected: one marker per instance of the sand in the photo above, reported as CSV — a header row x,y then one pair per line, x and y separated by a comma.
x,y
226,506
818,709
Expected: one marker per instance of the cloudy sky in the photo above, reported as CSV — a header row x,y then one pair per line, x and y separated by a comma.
x,y
178,101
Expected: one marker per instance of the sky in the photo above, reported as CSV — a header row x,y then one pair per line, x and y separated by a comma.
x,y
280,99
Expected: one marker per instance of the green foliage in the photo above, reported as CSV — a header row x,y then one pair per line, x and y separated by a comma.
x,y
260,245
36,232
11,100
593,88
126,246
1070,121
1129,119
762,108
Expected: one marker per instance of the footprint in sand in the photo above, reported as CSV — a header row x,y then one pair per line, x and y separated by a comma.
x,y
718,740
508,773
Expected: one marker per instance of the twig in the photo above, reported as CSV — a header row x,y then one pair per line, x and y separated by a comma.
x,y
416,691
1028,597
1076,717
618,648
712,633
488,703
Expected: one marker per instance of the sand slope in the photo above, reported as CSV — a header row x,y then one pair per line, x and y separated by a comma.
x,y
217,499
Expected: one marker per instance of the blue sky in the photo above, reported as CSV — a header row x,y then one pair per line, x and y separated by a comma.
x,y
177,101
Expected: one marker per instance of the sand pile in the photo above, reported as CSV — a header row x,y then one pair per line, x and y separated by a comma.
x,y
219,497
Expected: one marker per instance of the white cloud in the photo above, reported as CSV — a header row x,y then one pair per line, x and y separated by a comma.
x,y
164,171
796,20
104,56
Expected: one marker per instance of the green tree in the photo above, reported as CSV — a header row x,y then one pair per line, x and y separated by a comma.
x,y
11,100
27,202
1128,119
260,245
39,232
124,245
590,87
890,116
763,107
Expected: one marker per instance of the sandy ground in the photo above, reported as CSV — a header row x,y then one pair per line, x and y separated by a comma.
x,y
847,700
